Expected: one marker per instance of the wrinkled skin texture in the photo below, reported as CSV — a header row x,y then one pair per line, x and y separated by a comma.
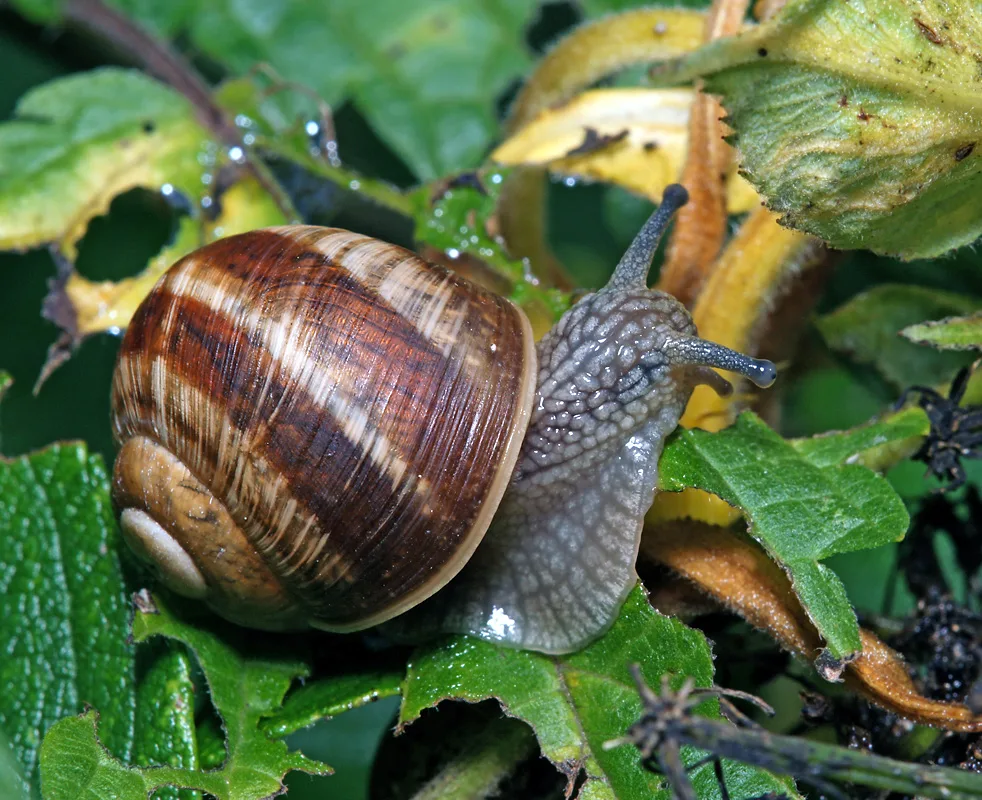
x,y
559,558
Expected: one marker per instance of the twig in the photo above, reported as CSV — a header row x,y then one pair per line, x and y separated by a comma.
x,y
668,723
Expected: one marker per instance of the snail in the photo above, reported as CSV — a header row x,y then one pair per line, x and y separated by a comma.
x,y
316,428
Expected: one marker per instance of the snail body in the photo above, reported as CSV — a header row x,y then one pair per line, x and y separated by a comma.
x,y
317,428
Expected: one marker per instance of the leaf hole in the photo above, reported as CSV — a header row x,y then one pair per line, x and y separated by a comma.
x,y
140,222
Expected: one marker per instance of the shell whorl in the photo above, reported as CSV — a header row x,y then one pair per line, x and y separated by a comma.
x,y
357,410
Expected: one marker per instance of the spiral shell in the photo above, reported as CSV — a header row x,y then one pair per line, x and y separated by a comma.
x,y
315,427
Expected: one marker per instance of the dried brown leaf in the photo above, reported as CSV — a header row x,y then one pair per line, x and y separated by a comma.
x,y
740,576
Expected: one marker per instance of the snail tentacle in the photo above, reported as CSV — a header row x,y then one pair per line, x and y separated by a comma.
x,y
631,271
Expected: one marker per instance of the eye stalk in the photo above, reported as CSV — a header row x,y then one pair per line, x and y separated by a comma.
x,y
632,270
696,352
682,350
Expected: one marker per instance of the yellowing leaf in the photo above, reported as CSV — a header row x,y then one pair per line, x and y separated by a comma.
x,y
860,122
636,138
78,142
591,52
737,295
603,47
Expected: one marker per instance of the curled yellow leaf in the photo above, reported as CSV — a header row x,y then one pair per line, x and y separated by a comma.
x,y
635,138
591,52
601,48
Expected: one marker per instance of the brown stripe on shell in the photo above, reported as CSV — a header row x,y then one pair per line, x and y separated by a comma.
x,y
427,372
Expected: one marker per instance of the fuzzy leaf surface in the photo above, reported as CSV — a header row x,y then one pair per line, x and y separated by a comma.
x,y
860,123
74,764
800,511
575,703
953,333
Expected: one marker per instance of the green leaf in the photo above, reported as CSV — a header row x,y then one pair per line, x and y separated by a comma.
x,y
75,766
425,75
953,333
801,511
211,743
860,122
12,783
452,221
577,702
165,729
244,685
5,382
282,135
40,11
329,697
867,444
866,327
77,142
64,606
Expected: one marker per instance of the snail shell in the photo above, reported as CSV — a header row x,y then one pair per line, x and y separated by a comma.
x,y
315,426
